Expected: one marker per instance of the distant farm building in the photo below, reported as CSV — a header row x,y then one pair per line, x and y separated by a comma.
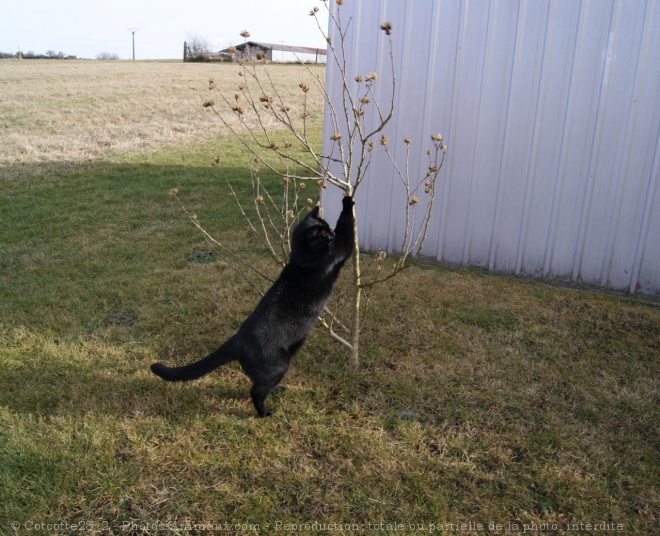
x,y
277,53
256,51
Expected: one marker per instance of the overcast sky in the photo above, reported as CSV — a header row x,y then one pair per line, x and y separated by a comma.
x,y
85,28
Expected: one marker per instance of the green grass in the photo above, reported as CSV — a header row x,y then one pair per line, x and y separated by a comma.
x,y
480,398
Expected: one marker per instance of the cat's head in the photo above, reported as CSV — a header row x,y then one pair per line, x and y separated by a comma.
x,y
312,238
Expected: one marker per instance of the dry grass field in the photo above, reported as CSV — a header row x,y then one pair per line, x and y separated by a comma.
x,y
53,111
484,404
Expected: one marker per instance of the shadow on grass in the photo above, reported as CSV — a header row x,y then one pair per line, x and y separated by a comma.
x,y
56,200
44,383
84,243
76,236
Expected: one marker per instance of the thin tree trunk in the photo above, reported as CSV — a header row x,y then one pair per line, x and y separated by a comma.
x,y
353,358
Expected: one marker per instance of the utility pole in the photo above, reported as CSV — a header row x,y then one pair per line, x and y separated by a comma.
x,y
133,30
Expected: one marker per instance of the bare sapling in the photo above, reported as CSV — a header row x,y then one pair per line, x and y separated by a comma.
x,y
274,128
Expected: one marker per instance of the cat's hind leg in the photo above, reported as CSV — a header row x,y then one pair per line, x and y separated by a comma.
x,y
261,390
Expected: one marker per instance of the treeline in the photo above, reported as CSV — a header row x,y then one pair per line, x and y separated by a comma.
x,y
48,55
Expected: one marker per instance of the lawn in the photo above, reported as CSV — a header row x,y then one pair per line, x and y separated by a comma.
x,y
483,405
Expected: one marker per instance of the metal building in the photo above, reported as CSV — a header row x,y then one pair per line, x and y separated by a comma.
x,y
278,53
551,113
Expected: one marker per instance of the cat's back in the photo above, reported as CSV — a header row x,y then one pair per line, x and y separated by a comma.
x,y
297,296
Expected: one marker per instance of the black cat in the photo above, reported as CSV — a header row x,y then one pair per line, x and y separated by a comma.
x,y
271,336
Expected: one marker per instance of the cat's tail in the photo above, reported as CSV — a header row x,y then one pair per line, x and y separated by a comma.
x,y
195,370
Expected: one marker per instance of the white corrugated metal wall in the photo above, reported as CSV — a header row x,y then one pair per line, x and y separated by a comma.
x,y
551,111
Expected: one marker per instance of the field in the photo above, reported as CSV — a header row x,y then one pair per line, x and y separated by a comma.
x,y
483,405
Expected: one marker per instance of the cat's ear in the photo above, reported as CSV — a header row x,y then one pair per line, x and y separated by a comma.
x,y
314,212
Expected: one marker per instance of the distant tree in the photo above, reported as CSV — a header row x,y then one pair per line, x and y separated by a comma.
x,y
107,56
48,55
198,47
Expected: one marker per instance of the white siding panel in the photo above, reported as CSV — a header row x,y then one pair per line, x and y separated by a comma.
x,y
522,113
296,57
551,112
489,142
